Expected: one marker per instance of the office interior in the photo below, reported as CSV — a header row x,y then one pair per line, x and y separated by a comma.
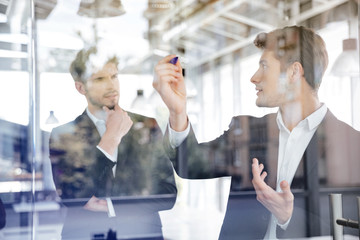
x,y
214,42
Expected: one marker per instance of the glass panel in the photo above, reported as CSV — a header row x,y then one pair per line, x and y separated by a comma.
x,y
16,177
207,36
226,96
71,169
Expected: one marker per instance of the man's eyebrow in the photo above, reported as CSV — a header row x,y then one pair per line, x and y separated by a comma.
x,y
262,61
98,76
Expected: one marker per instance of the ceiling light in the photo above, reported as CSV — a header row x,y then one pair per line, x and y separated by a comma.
x,y
347,63
51,119
101,8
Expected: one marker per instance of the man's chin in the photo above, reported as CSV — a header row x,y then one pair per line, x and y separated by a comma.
x,y
110,104
111,107
261,104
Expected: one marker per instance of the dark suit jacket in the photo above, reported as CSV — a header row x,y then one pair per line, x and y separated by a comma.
x,y
81,170
2,215
248,137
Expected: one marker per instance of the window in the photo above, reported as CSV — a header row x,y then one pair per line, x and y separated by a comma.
x,y
59,177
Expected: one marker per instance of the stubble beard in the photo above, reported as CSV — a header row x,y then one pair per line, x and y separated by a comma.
x,y
99,105
111,107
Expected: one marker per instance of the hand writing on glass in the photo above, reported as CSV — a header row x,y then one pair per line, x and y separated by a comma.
x,y
169,83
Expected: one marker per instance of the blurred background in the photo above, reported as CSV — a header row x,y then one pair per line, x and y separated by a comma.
x,y
213,38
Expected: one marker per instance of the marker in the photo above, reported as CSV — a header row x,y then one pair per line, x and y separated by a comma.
x,y
174,60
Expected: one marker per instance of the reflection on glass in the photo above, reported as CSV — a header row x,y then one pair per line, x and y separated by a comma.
x,y
51,119
215,40
105,153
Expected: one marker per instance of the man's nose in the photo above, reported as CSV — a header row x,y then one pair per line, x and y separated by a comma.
x,y
110,81
255,78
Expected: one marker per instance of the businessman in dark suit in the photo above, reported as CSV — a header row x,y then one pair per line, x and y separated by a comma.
x,y
107,152
290,72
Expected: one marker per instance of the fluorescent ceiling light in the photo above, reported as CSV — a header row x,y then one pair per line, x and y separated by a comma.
x,y
12,54
14,38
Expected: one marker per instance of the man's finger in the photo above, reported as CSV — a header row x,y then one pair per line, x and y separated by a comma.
x,y
167,58
258,177
263,175
166,66
256,174
255,168
178,64
117,108
285,187
261,167
168,72
106,109
170,79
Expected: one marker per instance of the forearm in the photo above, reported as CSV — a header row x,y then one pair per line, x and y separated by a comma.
x,y
178,121
109,144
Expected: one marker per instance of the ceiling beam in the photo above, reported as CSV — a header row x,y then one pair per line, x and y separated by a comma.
x,y
249,21
192,45
231,23
225,51
223,33
209,14
316,10
164,19
247,41
266,6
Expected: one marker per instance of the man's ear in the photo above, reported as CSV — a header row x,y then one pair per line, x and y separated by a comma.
x,y
297,71
80,87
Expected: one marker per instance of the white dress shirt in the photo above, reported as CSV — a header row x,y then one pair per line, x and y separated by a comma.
x,y
292,146
176,138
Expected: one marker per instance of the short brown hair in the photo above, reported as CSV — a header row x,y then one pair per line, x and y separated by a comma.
x,y
80,64
297,44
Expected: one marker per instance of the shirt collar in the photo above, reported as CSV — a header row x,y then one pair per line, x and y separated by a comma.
x,y
92,117
312,121
280,122
316,117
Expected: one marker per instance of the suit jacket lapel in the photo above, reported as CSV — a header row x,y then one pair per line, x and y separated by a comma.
x,y
103,165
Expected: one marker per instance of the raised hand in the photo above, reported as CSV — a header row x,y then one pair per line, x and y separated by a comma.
x,y
118,123
280,204
169,83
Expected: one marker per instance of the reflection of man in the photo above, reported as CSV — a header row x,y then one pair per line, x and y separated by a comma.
x,y
107,152
290,71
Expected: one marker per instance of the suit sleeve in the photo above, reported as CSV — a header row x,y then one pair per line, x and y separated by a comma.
x,y
195,160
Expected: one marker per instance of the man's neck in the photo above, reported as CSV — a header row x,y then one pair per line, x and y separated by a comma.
x,y
97,112
294,112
